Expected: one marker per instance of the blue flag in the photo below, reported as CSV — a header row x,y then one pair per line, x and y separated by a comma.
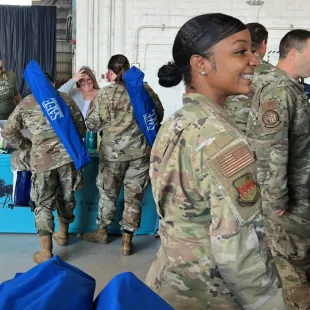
x,y
57,113
142,103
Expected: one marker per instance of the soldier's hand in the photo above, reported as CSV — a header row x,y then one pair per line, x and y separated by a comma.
x,y
279,212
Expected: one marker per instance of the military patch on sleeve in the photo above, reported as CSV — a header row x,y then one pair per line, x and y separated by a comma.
x,y
269,105
248,191
271,119
234,161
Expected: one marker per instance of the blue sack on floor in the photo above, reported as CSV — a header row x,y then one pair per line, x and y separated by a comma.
x,y
57,113
53,285
126,292
22,188
142,104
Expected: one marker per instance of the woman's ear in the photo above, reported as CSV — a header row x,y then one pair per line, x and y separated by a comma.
x,y
200,65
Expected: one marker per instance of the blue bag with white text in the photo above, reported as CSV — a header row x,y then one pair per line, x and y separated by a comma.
x,y
307,90
57,113
142,103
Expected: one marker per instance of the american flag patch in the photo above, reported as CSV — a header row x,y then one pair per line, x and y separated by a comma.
x,y
234,161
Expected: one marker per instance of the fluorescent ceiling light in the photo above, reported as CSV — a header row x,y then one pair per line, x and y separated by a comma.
x,y
15,2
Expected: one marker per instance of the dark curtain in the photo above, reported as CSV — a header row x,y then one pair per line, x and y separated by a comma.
x,y
27,33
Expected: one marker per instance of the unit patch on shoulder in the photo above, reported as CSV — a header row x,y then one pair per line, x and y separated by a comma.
x,y
271,119
234,161
248,191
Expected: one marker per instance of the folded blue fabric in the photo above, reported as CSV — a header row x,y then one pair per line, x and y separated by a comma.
x,y
127,292
53,285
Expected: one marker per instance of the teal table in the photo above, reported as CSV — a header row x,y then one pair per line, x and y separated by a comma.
x,y
19,219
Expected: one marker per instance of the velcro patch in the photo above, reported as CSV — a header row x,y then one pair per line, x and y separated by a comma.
x,y
269,105
234,161
271,119
248,191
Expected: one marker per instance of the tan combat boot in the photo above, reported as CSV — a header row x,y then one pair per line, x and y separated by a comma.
x,y
100,235
46,252
127,246
61,236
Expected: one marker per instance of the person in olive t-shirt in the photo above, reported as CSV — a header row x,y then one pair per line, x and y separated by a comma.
x,y
9,94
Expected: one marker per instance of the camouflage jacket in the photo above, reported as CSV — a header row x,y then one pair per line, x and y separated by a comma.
x,y
238,107
279,132
204,183
122,138
47,152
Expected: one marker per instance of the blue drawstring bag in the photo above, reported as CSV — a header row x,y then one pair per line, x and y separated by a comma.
x,y
57,113
307,90
53,285
142,103
126,291
22,188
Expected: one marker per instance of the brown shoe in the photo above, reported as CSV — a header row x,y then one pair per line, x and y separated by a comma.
x,y
62,236
127,246
100,235
46,252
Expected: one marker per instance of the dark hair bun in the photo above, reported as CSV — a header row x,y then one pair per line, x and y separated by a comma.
x,y
169,75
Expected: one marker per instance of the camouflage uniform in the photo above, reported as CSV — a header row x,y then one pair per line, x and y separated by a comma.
x,y
20,159
53,173
214,253
279,132
124,153
238,107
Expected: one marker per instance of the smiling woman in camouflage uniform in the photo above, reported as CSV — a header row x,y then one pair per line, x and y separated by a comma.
x,y
124,155
214,252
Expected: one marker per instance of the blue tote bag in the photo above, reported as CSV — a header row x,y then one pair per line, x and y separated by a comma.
x,y
142,103
57,113
22,188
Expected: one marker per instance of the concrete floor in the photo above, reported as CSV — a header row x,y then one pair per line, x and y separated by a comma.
x,y
102,262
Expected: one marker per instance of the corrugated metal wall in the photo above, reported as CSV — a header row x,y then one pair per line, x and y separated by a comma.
x,y
63,39
63,48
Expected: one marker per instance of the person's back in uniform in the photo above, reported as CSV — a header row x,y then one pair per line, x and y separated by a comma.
x,y
54,176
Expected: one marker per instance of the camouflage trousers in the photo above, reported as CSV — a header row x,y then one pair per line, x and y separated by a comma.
x,y
112,175
289,242
52,190
194,286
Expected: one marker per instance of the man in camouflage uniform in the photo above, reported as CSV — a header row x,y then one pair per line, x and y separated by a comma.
x,y
54,177
279,132
238,107
214,253
124,159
